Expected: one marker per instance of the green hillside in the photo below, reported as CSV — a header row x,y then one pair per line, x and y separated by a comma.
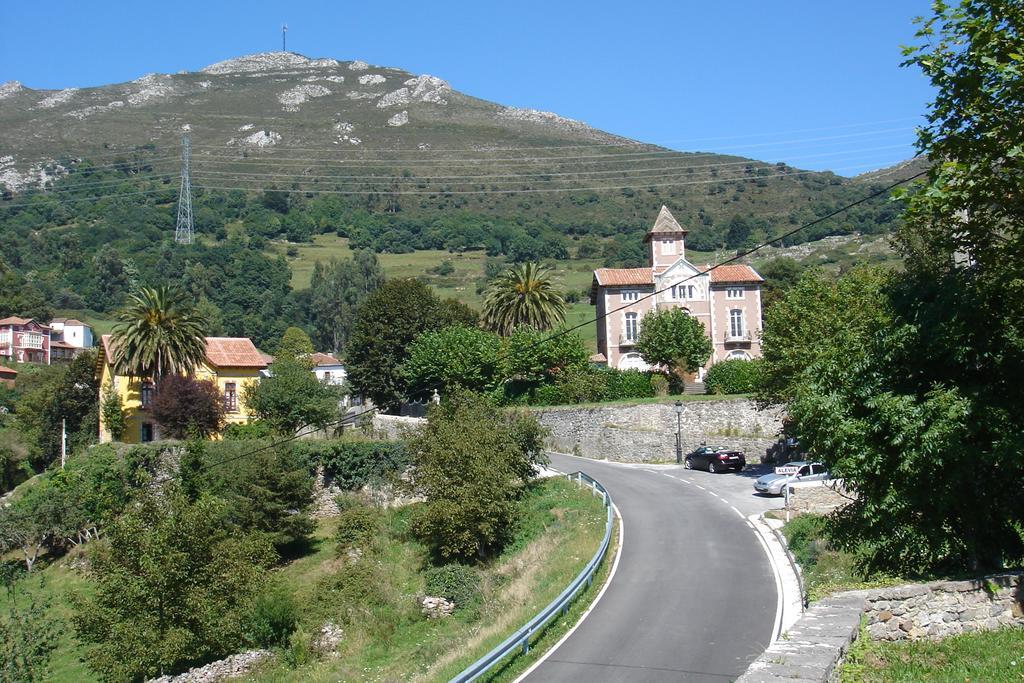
x,y
296,160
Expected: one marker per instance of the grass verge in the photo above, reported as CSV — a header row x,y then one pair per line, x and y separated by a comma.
x,y
989,656
385,636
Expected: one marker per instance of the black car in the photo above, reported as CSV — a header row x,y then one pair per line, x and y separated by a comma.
x,y
715,459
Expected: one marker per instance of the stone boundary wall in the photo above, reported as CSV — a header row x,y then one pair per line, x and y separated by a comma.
x,y
646,432
395,427
813,648
817,497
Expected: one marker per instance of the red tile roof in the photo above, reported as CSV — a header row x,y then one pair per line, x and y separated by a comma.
x,y
319,359
623,276
4,370
15,320
224,352
61,345
233,352
734,273
598,358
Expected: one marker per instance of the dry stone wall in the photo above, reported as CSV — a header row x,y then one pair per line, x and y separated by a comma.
x,y
647,432
813,648
947,608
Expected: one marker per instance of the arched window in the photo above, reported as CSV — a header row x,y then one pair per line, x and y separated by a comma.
x,y
738,355
736,323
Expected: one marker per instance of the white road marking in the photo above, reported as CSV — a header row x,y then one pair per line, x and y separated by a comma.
x,y
597,599
780,596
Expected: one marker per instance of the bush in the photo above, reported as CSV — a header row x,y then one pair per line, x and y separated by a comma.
x,y
805,537
659,385
354,464
273,619
455,582
355,526
257,429
582,384
626,384
733,376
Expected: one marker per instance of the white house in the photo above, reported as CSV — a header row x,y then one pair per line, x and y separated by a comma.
x,y
328,369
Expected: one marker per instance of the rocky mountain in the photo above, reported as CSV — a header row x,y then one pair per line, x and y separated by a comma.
x,y
390,143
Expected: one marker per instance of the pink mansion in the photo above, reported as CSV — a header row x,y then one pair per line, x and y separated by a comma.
x,y
727,300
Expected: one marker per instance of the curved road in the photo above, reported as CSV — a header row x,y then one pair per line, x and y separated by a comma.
x,y
693,598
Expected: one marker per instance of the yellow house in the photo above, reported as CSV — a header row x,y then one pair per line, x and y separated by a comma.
x,y
231,362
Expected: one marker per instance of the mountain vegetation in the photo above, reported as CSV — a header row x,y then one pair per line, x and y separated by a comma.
x,y
286,149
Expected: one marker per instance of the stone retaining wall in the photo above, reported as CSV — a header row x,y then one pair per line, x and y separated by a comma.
x,y
818,498
947,608
394,427
647,432
813,648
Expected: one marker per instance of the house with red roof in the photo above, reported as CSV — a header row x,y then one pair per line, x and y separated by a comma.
x,y
725,299
231,363
24,340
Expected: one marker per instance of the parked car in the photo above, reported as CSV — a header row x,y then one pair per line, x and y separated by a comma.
x,y
774,484
715,459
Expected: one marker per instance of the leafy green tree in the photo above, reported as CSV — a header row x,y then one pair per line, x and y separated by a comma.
x,y
292,398
37,521
294,345
269,492
523,295
158,334
113,413
779,275
673,339
185,406
28,635
65,396
533,357
386,325
172,587
453,357
470,462
337,288
918,409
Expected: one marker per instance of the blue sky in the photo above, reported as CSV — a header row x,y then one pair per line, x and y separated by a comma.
x,y
816,84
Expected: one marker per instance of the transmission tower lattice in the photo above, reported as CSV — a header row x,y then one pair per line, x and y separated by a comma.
x,y
183,226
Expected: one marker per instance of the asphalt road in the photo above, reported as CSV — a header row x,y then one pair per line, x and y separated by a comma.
x,y
693,598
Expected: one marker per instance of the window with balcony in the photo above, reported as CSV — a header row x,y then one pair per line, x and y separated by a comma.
x,y
736,323
32,340
734,293
632,295
632,327
230,397
146,395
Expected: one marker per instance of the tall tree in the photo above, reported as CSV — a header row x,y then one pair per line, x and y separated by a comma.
x,y
917,406
673,339
159,333
386,325
523,295
294,344
337,289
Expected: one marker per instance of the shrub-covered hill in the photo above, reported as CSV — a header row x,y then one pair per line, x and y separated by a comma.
x,y
398,161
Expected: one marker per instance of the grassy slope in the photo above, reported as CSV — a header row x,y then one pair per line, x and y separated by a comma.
x,y
991,657
561,530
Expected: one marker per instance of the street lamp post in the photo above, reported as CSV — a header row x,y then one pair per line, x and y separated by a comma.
x,y
679,432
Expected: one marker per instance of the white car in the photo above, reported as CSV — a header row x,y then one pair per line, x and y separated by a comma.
x,y
774,484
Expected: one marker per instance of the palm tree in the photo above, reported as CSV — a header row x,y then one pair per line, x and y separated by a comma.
x,y
158,334
522,295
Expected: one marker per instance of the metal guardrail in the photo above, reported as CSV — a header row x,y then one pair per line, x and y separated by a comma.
x,y
521,638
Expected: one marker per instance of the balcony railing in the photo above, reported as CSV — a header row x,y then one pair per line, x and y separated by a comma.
x,y
626,340
741,338
5,338
31,341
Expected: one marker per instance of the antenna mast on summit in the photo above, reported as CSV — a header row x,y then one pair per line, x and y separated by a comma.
x,y
284,37
183,226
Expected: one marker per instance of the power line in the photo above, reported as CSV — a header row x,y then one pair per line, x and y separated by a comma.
x,y
432,177
541,190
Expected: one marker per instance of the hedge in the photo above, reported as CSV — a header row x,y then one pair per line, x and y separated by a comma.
x,y
353,464
733,376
